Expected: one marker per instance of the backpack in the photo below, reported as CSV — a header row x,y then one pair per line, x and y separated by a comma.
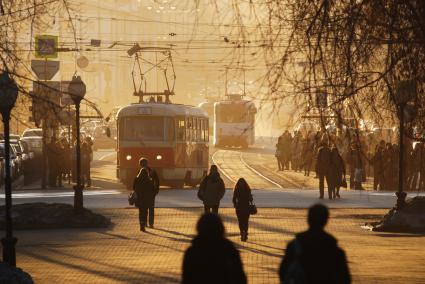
x,y
296,273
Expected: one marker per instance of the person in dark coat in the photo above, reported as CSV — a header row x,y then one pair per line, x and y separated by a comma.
x,y
212,190
86,158
145,190
242,197
378,166
211,258
322,168
53,154
336,173
316,252
143,162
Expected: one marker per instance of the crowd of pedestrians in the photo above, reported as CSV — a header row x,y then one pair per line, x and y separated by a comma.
x,y
334,156
312,257
62,164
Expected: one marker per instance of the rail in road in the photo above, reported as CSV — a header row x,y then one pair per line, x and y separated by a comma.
x,y
257,167
232,165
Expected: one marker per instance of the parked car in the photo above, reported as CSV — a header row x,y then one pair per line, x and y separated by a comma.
x,y
34,144
32,132
13,162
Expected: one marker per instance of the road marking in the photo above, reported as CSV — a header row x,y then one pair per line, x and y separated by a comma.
x,y
61,194
257,172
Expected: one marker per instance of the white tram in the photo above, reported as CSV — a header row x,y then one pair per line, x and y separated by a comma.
x,y
173,137
234,122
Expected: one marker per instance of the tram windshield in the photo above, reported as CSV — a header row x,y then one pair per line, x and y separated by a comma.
x,y
232,113
147,128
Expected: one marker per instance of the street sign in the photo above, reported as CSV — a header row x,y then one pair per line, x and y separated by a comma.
x,y
45,70
46,46
46,99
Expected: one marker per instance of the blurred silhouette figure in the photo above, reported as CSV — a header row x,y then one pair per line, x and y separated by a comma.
x,y
211,190
314,257
145,189
322,168
143,162
336,173
242,197
86,158
212,258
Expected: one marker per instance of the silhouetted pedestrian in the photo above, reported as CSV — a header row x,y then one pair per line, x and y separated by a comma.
x,y
314,257
242,197
378,166
212,258
322,168
212,190
53,154
143,162
336,173
86,158
145,190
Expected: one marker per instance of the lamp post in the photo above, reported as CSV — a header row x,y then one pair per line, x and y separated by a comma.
x,y
404,93
77,90
8,95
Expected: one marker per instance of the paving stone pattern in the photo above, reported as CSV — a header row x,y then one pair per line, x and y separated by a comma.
x,y
123,254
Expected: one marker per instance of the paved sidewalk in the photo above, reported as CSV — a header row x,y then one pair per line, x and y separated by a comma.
x,y
123,254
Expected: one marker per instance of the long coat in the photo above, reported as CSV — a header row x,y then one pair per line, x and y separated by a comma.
x,y
212,190
146,191
212,260
241,199
336,169
323,160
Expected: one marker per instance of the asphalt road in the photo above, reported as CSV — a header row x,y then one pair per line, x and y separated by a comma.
x,y
106,192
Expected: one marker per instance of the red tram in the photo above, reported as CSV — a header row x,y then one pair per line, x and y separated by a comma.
x,y
174,138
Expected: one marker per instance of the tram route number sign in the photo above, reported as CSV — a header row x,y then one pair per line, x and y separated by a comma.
x,y
46,46
145,110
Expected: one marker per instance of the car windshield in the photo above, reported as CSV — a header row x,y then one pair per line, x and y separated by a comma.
x,y
146,128
32,132
232,113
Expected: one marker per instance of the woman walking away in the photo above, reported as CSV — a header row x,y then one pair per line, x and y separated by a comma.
x,y
212,258
145,190
212,190
336,173
242,197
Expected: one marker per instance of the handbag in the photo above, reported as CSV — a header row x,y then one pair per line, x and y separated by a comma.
x,y
132,198
252,208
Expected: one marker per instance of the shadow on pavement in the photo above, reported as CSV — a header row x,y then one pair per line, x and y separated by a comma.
x,y
114,272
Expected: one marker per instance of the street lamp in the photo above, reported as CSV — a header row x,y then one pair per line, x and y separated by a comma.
x,y
77,90
404,93
8,95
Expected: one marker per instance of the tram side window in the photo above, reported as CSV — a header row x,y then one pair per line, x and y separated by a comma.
x,y
169,128
205,130
189,129
198,129
181,125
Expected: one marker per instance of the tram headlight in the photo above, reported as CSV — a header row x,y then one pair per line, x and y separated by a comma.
x,y
158,157
128,158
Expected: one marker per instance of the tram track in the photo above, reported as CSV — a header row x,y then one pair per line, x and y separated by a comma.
x,y
264,167
232,165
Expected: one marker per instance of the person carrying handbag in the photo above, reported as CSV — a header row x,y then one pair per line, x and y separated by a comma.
x,y
145,192
243,203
